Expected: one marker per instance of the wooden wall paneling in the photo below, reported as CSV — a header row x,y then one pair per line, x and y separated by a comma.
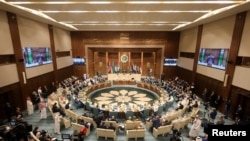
x,y
53,51
142,71
158,63
16,42
100,62
10,94
67,72
171,44
148,63
78,48
41,80
79,70
241,97
171,50
169,40
90,63
170,72
181,73
136,58
197,51
107,61
202,82
233,52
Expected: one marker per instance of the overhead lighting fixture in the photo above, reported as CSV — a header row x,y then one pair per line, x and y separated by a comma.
x,y
207,15
135,11
184,2
131,2
40,14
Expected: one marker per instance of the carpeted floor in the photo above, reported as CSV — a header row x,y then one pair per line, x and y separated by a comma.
x,y
48,125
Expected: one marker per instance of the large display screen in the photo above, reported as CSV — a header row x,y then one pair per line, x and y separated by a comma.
x,y
35,56
79,61
170,62
215,58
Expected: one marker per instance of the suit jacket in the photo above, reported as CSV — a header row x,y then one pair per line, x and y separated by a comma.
x,y
156,123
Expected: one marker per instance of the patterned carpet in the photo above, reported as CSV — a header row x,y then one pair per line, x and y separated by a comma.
x,y
129,96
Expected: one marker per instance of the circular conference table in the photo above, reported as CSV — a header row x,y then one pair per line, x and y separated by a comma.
x,y
125,98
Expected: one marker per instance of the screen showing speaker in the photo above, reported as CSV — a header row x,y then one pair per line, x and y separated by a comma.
x,y
36,56
215,58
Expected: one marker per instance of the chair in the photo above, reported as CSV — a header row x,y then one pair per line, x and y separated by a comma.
x,y
131,124
146,113
106,133
73,116
66,123
107,123
115,114
140,133
77,128
88,106
181,123
89,120
162,130
95,111
149,124
129,114
160,110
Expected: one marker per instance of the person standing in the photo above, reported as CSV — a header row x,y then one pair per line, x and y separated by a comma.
x,y
212,115
57,123
43,110
30,106
205,95
8,111
227,108
217,102
238,112
195,128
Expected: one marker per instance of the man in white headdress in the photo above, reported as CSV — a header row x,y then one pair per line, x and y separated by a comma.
x,y
195,129
57,123
43,110
30,106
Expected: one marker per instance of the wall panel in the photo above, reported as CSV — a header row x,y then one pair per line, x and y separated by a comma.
x,y
64,62
62,39
36,71
8,74
32,33
5,38
211,72
185,63
188,40
241,77
245,42
218,34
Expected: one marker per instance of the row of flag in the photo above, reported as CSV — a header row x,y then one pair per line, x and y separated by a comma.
x,y
116,68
